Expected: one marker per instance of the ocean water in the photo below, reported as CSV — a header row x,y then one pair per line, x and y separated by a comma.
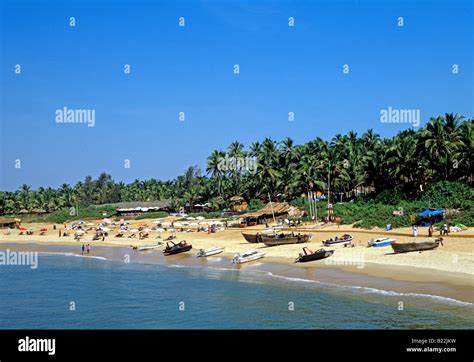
x,y
74,292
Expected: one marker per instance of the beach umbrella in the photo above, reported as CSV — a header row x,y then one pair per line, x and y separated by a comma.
x,y
160,230
79,232
105,229
172,230
194,224
81,222
43,229
107,221
190,218
200,218
23,229
90,224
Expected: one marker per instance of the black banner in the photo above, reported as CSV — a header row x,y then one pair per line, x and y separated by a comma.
x,y
62,345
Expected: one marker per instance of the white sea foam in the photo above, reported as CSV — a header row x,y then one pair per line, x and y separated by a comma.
x,y
74,255
377,291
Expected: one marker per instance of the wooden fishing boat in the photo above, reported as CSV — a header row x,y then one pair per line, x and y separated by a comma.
x,y
283,239
209,252
247,256
257,238
172,248
416,246
309,255
345,239
380,242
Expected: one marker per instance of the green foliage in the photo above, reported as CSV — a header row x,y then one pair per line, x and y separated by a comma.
x,y
445,194
256,204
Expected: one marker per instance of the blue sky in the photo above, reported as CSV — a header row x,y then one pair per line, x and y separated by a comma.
x,y
190,69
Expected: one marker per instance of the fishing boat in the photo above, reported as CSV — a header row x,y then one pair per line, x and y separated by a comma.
x,y
147,247
309,255
283,239
416,246
380,242
345,240
257,238
211,251
172,248
247,256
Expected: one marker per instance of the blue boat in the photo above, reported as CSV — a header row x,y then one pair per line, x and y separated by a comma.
x,y
381,242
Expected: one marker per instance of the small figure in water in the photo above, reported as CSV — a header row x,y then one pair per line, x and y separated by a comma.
x,y
83,248
88,248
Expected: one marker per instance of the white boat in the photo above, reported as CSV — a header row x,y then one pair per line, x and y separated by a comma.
x,y
380,242
147,247
247,256
211,251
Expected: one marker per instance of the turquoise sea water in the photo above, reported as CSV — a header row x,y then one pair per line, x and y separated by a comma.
x,y
112,294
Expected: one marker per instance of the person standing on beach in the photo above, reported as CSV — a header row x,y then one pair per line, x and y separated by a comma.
x,y
430,230
83,248
88,248
415,231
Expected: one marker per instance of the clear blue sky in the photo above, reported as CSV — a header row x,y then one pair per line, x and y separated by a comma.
x,y
173,69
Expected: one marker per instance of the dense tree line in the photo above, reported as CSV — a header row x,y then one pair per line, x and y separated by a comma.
x,y
406,163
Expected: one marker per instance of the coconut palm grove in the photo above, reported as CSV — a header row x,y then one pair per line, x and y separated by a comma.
x,y
368,178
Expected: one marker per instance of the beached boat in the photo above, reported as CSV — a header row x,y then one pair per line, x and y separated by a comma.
x,y
147,247
283,239
181,247
416,246
211,251
247,256
310,255
257,238
345,239
380,242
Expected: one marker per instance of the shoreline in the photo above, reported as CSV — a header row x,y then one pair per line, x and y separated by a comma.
x,y
388,278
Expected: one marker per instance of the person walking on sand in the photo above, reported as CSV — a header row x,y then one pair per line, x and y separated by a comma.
x,y
88,248
59,232
430,230
415,231
83,248
445,229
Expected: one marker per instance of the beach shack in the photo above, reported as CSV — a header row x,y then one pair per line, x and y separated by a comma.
x,y
430,216
10,223
270,211
138,208
238,204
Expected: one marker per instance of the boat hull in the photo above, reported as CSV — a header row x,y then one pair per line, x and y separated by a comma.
x,y
173,251
313,257
251,238
416,246
286,240
240,260
205,253
342,241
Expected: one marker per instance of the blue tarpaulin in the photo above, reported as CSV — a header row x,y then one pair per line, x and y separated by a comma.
x,y
431,212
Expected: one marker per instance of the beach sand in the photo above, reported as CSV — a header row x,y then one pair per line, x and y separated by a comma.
x,y
447,270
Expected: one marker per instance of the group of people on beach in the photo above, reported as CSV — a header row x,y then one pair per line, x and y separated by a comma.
x,y
442,231
86,248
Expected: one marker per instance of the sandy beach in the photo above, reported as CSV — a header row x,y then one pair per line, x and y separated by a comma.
x,y
450,265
